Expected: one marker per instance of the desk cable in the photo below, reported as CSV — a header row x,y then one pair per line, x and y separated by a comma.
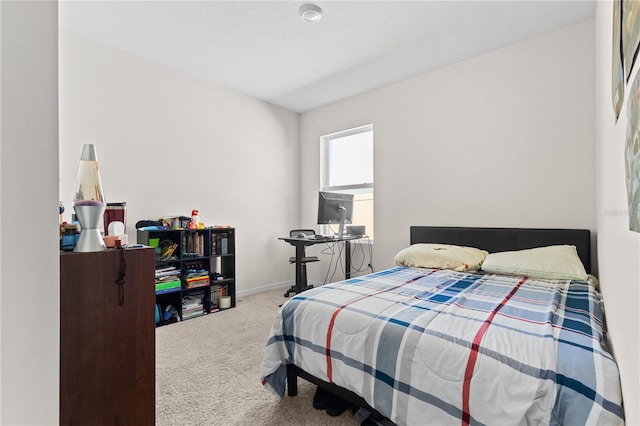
x,y
362,267
333,266
331,250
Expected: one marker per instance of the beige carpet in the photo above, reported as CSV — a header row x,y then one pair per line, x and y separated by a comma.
x,y
208,371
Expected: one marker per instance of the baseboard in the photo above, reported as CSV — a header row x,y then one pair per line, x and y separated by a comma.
x,y
284,285
267,287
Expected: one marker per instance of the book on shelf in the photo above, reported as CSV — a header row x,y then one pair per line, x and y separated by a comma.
x,y
199,278
194,245
192,300
217,291
220,244
166,278
168,285
196,273
167,273
168,290
192,308
192,305
196,284
192,313
167,251
224,248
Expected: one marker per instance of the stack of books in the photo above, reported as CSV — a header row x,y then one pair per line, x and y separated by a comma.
x,y
192,305
220,244
217,291
196,278
194,245
167,279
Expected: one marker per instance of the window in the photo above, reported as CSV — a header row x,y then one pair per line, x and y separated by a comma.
x,y
347,166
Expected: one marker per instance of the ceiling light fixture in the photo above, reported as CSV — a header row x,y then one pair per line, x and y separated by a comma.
x,y
310,12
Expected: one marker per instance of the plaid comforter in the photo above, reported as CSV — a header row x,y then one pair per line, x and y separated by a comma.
x,y
427,346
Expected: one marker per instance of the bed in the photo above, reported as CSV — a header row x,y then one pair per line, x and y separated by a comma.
x,y
416,345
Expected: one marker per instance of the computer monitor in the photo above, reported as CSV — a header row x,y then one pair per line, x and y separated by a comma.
x,y
334,207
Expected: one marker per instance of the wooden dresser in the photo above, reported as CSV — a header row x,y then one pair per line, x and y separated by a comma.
x,y
107,337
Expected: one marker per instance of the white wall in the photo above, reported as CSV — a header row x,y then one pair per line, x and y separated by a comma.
x,y
169,143
618,248
29,260
503,139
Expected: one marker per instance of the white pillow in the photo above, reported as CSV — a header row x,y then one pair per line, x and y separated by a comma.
x,y
441,256
552,262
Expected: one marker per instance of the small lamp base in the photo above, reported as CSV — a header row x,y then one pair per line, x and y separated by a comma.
x,y
90,238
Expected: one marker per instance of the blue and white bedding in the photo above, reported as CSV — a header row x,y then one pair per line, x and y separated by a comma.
x,y
427,346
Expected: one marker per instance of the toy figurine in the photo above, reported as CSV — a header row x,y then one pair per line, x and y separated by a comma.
x,y
195,220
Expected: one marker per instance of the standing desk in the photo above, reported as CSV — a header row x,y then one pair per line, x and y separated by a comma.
x,y
300,244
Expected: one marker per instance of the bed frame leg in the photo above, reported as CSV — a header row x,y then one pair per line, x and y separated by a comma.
x,y
292,382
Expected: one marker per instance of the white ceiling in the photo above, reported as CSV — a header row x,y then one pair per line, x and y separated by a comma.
x,y
264,49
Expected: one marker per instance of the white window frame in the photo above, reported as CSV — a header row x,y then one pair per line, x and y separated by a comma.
x,y
325,155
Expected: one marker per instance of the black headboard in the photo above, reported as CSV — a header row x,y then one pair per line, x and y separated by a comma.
x,y
506,239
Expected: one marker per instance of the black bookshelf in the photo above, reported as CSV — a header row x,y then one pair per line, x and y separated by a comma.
x,y
194,269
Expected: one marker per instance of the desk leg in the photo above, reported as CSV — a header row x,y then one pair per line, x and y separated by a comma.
x,y
299,255
347,260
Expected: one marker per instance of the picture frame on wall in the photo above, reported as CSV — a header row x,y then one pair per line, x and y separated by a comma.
x,y
632,155
630,43
617,67
630,32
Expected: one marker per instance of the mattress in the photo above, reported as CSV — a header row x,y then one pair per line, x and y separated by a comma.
x,y
422,345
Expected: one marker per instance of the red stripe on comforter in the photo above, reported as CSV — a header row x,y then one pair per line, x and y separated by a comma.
x,y
473,355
